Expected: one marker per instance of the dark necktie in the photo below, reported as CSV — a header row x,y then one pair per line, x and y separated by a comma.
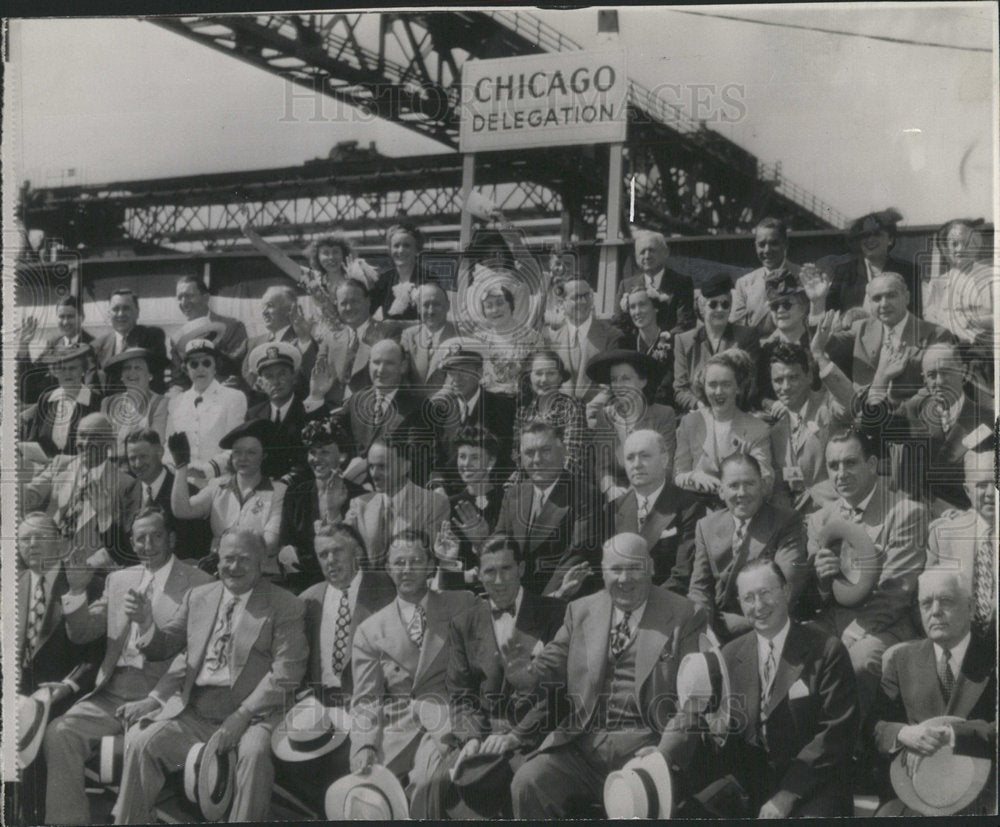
x,y
149,494
499,613
223,635
198,400
946,675
35,617
620,636
767,674
341,635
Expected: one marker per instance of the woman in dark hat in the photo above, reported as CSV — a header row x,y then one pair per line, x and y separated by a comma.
x,y
244,498
721,426
625,406
135,405
542,375
54,419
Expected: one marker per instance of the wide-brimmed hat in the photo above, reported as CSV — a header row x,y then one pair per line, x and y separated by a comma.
x,y
261,429
943,783
375,796
67,353
32,717
275,353
860,562
111,758
886,219
599,367
640,789
703,674
210,778
483,785
155,360
310,730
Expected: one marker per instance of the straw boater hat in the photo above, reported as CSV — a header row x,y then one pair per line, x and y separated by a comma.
x,y
860,563
703,674
32,716
210,778
375,796
275,353
943,783
640,789
111,758
310,730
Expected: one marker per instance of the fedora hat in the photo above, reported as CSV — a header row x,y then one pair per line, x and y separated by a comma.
x,y
111,757
943,783
375,796
310,730
640,789
482,782
210,778
703,674
155,360
32,716
860,564
599,367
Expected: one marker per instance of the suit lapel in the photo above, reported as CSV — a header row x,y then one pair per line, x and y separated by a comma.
x,y
204,609
745,678
254,616
396,641
596,630
651,637
789,668
871,340
659,519
434,634
970,683
548,519
627,511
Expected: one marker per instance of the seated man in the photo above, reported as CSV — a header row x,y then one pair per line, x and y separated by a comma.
x,y
966,542
898,528
83,493
949,673
242,651
748,528
552,515
161,582
398,668
617,653
123,311
283,322
397,502
277,367
795,717
33,371
652,255
657,510
334,610
422,342
488,716
750,308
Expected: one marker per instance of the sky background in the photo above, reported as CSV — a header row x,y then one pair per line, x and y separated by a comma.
x,y
860,123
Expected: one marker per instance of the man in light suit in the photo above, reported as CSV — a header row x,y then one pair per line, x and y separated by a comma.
x,y
422,342
618,652
126,674
126,333
948,673
794,722
399,707
581,338
397,502
965,542
657,510
750,307
279,309
242,651
192,298
898,529
746,529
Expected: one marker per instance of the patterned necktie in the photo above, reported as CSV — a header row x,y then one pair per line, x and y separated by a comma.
x,y
35,616
620,636
740,535
983,584
73,514
767,676
379,406
643,511
342,635
223,636
415,628
796,422
946,675
850,513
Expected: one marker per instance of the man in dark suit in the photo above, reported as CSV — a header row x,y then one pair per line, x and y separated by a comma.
x,y
488,716
152,486
657,510
276,365
126,333
281,314
33,374
747,528
792,733
126,675
554,517
334,610
244,651
652,254
617,653
948,673
462,402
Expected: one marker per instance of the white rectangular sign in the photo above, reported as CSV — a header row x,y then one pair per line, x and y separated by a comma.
x,y
543,100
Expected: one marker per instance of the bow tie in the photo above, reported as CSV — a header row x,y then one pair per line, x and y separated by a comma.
x,y
498,613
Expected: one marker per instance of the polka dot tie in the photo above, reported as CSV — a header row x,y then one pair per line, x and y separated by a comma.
x,y
341,635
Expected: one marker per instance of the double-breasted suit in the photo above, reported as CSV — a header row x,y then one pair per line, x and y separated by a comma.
x,y
601,337
424,352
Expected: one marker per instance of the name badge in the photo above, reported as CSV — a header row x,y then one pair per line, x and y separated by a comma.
x,y
793,476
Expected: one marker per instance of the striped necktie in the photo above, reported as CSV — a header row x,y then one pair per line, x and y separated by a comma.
x,y
946,675
983,584
36,614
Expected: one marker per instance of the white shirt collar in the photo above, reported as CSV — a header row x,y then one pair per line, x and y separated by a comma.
x,y
160,576
957,652
213,386
779,644
656,279
653,497
333,593
583,329
896,331
407,609
155,485
279,335
863,505
543,493
618,614
517,601
471,403
283,410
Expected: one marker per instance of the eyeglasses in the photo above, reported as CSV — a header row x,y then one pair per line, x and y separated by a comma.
x,y
764,596
719,304
200,363
781,304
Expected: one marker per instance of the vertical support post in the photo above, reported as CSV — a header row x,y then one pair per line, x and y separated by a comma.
x,y
468,181
607,275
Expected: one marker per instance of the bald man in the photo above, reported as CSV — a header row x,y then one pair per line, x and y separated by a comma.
x,y
617,652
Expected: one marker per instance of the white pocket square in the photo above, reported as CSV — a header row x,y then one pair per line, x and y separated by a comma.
x,y
668,532
798,690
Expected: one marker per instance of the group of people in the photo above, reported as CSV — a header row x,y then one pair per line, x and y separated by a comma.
x,y
459,548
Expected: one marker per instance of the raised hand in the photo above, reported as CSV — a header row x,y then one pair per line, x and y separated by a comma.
x,y
827,564
322,378
893,364
446,543
28,329
471,523
302,326
816,284
572,580
138,609
180,449
78,573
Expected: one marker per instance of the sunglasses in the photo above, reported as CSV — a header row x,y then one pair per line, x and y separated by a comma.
x,y
781,304
207,362
719,304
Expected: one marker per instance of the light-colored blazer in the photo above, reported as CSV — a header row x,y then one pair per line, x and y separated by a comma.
x,y
390,673
106,616
696,452
269,649
952,542
610,442
350,366
750,296
601,337
412,507
425,360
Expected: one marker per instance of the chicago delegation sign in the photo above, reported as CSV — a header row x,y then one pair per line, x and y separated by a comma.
x,y
543,100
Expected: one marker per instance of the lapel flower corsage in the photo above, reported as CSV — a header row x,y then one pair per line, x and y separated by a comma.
x,y
258,506
402,297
